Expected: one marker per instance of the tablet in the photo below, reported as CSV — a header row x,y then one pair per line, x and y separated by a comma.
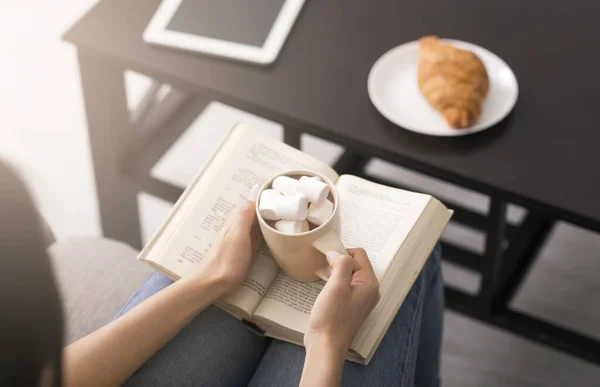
x,y
247,30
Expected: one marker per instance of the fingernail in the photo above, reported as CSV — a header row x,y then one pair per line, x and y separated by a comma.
x,y
253,195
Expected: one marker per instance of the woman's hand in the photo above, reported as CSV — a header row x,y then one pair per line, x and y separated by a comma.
x,y
344,303
123,345
229,261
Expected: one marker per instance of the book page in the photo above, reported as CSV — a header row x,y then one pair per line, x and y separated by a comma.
x,y
377,218
288,303
374,217
245,158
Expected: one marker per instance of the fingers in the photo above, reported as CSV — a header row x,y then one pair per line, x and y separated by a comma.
x,y
231,219
341,272
364,275
361,260
253,195
246,222
247,212
246,216
243,217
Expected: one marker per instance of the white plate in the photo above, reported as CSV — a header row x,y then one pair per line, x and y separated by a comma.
x,y
394,91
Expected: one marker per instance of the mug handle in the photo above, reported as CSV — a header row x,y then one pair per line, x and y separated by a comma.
x,y
328,242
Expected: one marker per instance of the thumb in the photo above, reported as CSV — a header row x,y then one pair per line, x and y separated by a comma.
x,y
246,218
246,214
341,272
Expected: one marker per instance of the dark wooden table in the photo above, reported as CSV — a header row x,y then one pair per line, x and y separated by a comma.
x,y
545,156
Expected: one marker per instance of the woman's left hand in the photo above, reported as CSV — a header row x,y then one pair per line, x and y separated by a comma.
x,y
229,261
123,345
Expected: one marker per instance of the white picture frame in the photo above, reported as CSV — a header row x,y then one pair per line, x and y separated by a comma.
x,y
156,33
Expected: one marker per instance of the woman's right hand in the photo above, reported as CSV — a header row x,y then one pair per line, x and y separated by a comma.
x,y
348,297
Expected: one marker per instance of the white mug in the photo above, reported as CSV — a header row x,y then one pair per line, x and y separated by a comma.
x,y
302,256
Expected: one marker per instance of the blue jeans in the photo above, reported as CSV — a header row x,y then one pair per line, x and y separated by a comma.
x,y
216,349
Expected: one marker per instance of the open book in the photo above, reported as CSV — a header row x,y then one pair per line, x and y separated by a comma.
x,y
397,228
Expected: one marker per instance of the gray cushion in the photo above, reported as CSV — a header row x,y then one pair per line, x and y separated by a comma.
x,y
96,277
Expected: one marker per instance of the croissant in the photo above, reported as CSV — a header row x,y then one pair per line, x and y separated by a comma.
x,y
453,81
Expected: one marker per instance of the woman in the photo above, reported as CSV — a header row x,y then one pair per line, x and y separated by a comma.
x,y
168,334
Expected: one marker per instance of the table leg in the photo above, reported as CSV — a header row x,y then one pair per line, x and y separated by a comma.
x,y
520,256
110,131
492,264
291,137
351,163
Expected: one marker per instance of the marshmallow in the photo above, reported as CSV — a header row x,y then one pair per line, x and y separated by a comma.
x,y
292,226
315,191
267,202
317,178
318,213
286,185
291,207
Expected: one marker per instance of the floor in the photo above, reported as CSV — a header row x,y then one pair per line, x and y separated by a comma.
x,y
43,133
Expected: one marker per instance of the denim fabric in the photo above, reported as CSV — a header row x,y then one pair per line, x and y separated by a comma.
x,y
215,349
